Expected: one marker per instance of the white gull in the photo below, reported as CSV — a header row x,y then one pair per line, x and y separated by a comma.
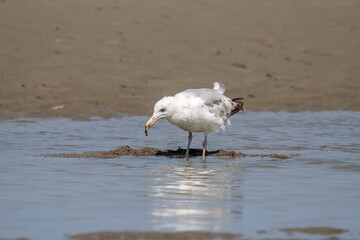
x,y
197,110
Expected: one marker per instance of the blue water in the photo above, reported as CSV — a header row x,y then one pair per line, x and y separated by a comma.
x,y
51,197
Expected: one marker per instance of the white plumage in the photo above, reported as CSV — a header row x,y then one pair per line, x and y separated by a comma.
x,y
197,110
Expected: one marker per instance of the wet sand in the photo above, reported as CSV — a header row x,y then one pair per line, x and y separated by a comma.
x,y
76,58
155,235
325,231
149,151
315,230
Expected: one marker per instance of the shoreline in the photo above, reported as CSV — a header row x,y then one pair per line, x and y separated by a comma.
x,y
4,116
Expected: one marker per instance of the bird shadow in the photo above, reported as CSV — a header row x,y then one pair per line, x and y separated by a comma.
x,y
181,152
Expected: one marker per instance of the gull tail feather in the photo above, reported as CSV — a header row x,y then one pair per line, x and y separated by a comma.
x,y
238,105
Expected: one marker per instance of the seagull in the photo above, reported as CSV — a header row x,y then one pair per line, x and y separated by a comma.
x,y
197,110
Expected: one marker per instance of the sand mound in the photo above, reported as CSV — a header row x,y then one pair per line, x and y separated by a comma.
x,y
148,151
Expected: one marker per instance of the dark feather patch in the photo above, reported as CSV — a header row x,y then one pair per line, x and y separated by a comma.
x,y
238,104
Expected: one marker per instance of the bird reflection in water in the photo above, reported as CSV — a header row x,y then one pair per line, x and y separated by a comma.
x,y
194,197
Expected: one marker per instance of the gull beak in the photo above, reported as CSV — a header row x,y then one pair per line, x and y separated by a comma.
x,y
151,121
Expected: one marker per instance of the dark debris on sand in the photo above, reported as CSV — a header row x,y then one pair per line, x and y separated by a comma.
x,y
315,230
148,151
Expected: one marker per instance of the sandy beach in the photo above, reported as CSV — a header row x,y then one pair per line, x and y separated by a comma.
x,y
83,58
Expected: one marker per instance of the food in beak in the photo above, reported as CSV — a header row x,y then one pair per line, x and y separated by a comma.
x,y
151,121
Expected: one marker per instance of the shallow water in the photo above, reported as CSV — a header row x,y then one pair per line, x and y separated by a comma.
x,y
51,198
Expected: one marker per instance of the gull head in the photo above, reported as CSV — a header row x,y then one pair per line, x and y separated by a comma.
x,y
162,109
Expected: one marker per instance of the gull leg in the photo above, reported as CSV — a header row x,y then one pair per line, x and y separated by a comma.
x,y
204,148
188,147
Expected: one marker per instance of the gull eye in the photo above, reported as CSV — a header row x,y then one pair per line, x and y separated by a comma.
x,y
162,110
